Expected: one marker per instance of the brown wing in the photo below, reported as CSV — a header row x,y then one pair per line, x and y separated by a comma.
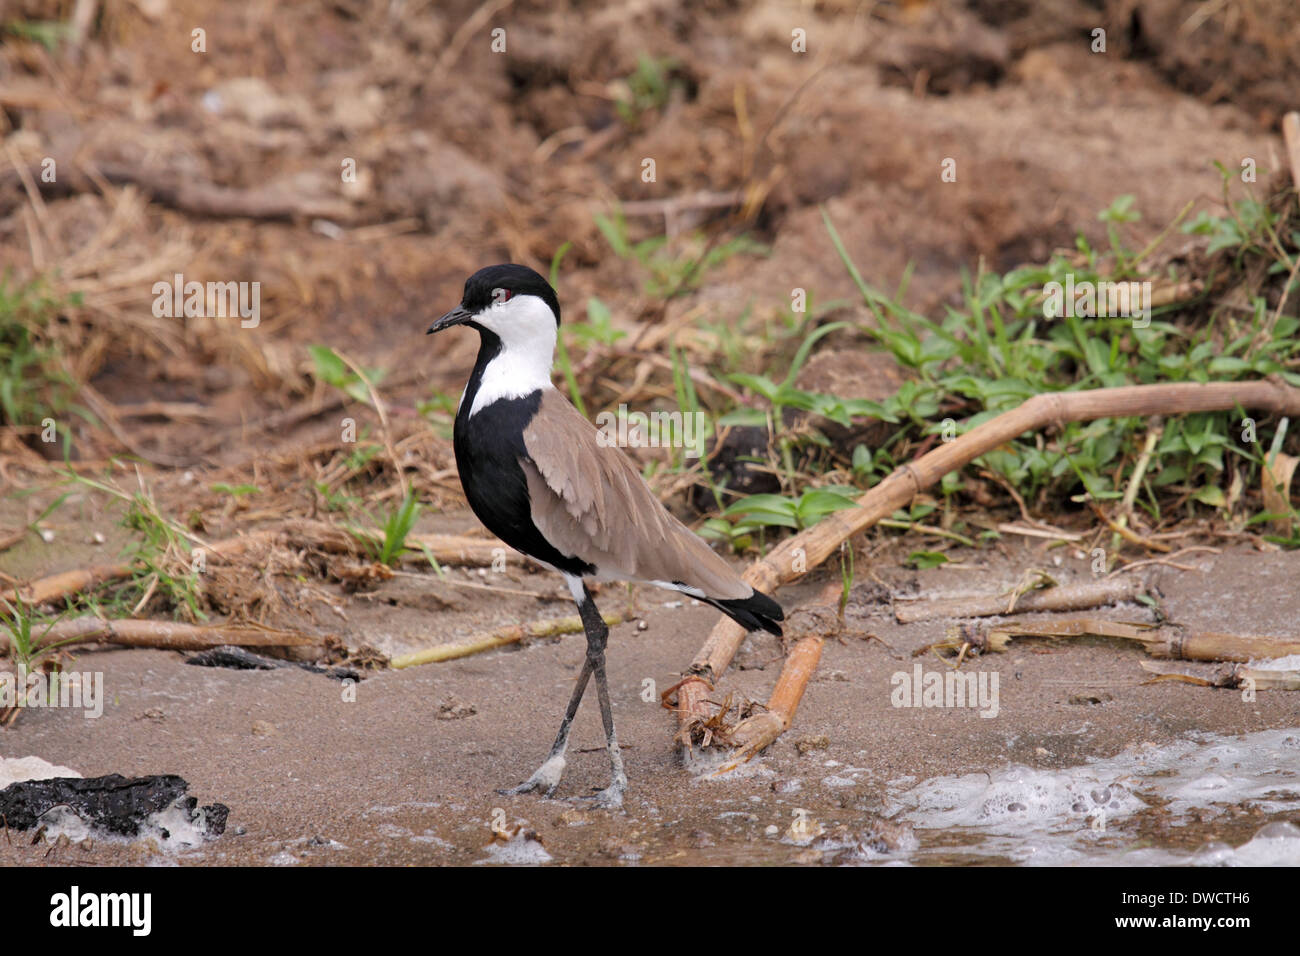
x,y
590,501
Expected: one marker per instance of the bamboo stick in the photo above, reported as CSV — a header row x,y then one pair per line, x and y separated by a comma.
x,y
817,543
1070,597
511,634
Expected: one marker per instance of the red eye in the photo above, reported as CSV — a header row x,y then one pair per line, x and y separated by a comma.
x,y
501,295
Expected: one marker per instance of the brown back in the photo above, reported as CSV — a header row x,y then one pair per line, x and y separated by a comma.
x,y
590,501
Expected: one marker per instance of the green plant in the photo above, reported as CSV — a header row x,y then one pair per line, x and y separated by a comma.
x,y
786,511
336,500
18,619
159,550
236,491
48,33
34,385
397,526
1000,348
561,348
439,410
646,88
677,269
332,370
846,576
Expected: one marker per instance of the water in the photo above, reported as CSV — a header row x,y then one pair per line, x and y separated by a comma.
x,y
1190,802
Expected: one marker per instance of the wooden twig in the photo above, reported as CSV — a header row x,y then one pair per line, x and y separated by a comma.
x,y
1168,640
1070,597
1135,480
208,199
1167,562
165,634
511,634
58,586
1291,135
1038,531
810,548
1123,531
446,549
453,549
10,538
456,45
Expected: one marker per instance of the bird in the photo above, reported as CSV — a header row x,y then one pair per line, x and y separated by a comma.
x,y
539,476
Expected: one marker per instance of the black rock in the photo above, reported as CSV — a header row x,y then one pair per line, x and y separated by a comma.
x,y
114,804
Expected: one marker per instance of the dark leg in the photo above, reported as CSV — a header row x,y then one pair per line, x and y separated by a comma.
x,y
597,635
547,777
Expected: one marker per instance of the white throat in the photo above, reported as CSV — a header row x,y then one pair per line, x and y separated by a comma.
x,y
526,328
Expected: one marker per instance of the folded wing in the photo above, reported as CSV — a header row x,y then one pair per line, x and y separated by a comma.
x,y
589,500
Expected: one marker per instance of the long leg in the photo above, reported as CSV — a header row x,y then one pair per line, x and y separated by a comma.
x,y
597,635
547,777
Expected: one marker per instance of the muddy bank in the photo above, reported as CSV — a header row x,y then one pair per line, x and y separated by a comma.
x,y
311,778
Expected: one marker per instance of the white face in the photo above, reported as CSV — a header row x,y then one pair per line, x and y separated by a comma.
x,y
526,327
520,322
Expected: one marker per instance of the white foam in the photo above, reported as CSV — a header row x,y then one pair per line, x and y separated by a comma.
x,y
1065,816
519,850
1011,799
1276,844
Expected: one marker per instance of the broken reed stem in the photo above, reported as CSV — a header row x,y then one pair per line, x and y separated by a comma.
x,y
512,634
1070,597
817,543
755,733
1169,640
169,635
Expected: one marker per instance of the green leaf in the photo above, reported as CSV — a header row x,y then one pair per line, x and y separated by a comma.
x,y
1211,495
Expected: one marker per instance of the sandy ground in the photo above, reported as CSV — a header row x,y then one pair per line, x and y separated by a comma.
x,y
312,779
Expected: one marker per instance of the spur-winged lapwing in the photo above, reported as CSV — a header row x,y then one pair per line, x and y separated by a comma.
x,y
536,473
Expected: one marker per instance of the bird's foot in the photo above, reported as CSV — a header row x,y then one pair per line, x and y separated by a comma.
x,y
545,778
611,798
